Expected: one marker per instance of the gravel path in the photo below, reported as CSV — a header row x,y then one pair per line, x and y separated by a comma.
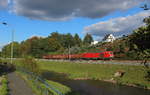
x,y
17,85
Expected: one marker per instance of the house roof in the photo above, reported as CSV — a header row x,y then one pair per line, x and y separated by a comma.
x,y
107,37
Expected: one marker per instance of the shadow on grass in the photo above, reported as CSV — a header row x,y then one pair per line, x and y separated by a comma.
x,y
51,75
58,77
73,93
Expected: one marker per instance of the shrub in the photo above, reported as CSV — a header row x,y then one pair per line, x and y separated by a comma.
x,y
4,87
30,64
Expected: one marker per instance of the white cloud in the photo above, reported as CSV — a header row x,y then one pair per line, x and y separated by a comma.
x,y
118,26
3,4
59,10
1,46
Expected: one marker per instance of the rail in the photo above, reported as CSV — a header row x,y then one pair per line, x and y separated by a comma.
x,y
37,80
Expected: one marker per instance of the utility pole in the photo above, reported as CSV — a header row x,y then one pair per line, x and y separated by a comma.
x,y
69,52
12,42
12,45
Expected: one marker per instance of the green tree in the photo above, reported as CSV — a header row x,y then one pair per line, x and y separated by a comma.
x,y
30,64
141,38
16,50
25,48
55,35
87,39
6,50
0,54
54,45
68,40
140,41
34,46
77,40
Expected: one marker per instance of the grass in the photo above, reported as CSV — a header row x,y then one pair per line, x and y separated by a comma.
x,y
59,87
62,88
3,86
133,74
40,91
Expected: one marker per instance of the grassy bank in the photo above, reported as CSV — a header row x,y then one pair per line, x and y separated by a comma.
x,y
39,88
133,74
3,86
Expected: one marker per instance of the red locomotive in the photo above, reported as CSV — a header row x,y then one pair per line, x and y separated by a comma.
x,y
101,55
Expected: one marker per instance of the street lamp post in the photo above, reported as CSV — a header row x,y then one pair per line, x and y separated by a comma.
x,y
69,53
12,42
12,45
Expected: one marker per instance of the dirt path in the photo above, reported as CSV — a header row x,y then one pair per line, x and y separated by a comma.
x,y
18,86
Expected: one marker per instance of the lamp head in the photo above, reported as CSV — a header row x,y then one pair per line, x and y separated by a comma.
x,y
4,23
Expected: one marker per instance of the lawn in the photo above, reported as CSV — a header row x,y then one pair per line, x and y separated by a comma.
x,y
133,74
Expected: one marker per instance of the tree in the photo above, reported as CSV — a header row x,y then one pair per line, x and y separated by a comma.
x,y
140,41
68,40
6,50
141,37
30,64
16,50
87,39
55,35
77,40
54,45
0,54
24,48
147,21
35,46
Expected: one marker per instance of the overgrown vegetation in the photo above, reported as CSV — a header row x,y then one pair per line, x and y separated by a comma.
x,y
29,63
3,86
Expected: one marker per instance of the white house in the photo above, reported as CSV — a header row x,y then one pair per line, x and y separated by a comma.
x,y
109,38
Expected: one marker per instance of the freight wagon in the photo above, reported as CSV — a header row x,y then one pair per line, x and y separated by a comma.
x,y
101,55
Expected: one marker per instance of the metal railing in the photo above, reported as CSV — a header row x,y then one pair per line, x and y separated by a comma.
x,y
40,83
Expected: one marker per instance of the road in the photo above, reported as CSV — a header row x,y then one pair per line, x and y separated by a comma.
x,y
17,86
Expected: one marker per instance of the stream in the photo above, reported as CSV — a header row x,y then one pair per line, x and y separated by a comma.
x,y
94,87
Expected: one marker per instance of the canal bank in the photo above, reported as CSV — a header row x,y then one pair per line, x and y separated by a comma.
x,y
68,73
94,87
134,75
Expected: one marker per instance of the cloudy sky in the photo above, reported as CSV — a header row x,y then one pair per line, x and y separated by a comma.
x,y
97,17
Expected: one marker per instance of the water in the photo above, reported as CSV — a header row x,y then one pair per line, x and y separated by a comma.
x,y
94,87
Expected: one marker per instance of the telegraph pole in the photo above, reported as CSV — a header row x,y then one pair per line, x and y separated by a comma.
x,y
12,42
69,52
12,46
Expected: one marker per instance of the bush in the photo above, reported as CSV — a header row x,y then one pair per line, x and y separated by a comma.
x,y
0,60
147,76
29,63
4,87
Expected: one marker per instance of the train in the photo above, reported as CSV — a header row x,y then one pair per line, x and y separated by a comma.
x,y
100,55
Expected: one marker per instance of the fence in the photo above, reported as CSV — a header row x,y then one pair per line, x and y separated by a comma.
x,y
41,84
